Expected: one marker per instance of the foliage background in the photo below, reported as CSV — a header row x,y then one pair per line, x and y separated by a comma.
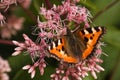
x,y
109,18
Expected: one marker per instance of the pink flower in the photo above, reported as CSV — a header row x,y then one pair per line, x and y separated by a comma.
x,y
39,63
23,46
42,65
19,49
94,67
12,25
56,21
15,23
80,70
57,75
32,48
35,51
2,20
31,69
55,24
78,14
4,68
25,3
50,29
4,4
49,14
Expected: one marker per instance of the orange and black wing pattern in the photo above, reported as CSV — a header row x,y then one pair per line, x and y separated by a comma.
x,y
57,50
91,37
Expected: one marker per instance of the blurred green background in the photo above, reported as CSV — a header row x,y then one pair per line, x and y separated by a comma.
x,y
109,18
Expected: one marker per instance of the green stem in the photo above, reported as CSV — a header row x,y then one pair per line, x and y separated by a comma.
x,y
105,9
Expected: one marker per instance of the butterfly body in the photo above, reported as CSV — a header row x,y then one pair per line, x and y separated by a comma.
x,y
76,46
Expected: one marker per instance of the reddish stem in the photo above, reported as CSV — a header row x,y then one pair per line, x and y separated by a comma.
x,y
7,42
48,4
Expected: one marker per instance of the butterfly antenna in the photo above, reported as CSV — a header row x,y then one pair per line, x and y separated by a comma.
x,y
75,29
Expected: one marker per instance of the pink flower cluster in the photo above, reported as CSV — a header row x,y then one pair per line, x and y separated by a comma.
x,y
59,17
9,28
4,68
35,51
79,70
2,20
56,20
5,4
40,63
11,24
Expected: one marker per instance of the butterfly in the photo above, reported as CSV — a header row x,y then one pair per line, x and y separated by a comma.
x,y
77,45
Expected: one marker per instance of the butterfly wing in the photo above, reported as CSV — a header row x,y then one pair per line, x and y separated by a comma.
x,y
91,37
76,46
58,50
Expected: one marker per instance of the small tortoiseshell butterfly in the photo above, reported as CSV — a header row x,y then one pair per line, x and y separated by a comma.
x,y
76,46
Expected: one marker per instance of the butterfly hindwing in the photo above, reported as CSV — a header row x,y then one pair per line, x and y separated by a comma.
x,y
57,50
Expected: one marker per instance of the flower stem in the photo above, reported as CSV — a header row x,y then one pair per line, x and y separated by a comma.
x,y
48,4
105,9
7,42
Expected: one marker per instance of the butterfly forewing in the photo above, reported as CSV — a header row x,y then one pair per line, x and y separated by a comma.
x,y
91,36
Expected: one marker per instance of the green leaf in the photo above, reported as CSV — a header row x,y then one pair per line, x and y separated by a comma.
x,y
110,16
23,75
89,77
109,62
17,62
89,4
112,36
116,75
37,4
